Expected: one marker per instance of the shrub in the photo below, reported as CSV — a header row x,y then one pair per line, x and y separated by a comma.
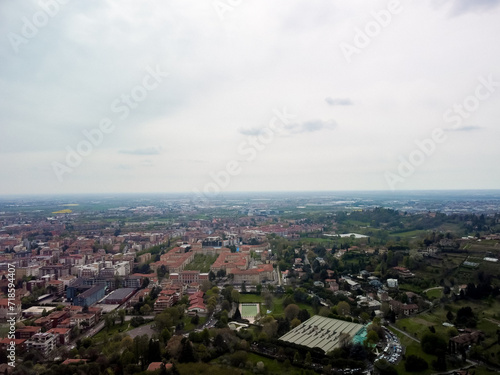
x,y
415,364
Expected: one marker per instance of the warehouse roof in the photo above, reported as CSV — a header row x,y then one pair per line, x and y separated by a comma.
x,y
120,294
321,332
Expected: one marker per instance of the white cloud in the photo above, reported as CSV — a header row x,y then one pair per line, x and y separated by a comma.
x,y
226,78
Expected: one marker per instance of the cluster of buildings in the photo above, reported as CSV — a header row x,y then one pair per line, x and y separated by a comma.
x,y
52,329
365,289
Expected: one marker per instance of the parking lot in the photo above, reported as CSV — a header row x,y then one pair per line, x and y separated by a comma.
x,y
393,349
143,330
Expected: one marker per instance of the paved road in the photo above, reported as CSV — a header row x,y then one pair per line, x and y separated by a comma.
x,y
143,330
492,321
94,330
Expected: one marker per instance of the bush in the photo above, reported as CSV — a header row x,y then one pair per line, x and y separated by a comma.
x,y
415,364
238,358
136,321
433,344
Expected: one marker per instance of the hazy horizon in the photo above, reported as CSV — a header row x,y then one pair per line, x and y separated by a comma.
x,y
451,192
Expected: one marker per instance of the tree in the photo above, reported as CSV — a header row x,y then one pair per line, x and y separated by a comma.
x,y
258,288
235,296
433,344
136,321
358,352
161,271
163,369
205,285
205,336
238,358
324,311
308,359
287,301
268,300
165,335
175,345
372,337
127,358
384,368
365,317
343,308
221,273
415,364
303,315
296,357
466,317
291,311
220,344
226,305
121,314
237,314
195,320
145,310
51,289
449,316
108,323
154,352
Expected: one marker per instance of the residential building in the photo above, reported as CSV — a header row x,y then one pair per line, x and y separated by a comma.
x,y
62,334
43,343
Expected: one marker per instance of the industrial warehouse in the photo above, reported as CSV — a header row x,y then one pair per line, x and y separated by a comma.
x,y
324,333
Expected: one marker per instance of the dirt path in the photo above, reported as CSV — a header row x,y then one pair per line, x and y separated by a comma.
x,y
436,287
404,333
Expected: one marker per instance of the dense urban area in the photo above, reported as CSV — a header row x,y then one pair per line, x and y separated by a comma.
x,y
297,283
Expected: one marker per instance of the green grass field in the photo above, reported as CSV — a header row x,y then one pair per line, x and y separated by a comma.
x,y
410,288
117,328
486,313
208,369
201,263
274,367
409,234
249,298
434,294
249,310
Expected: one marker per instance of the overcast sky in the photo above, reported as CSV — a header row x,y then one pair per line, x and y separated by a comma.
x,y
182,88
